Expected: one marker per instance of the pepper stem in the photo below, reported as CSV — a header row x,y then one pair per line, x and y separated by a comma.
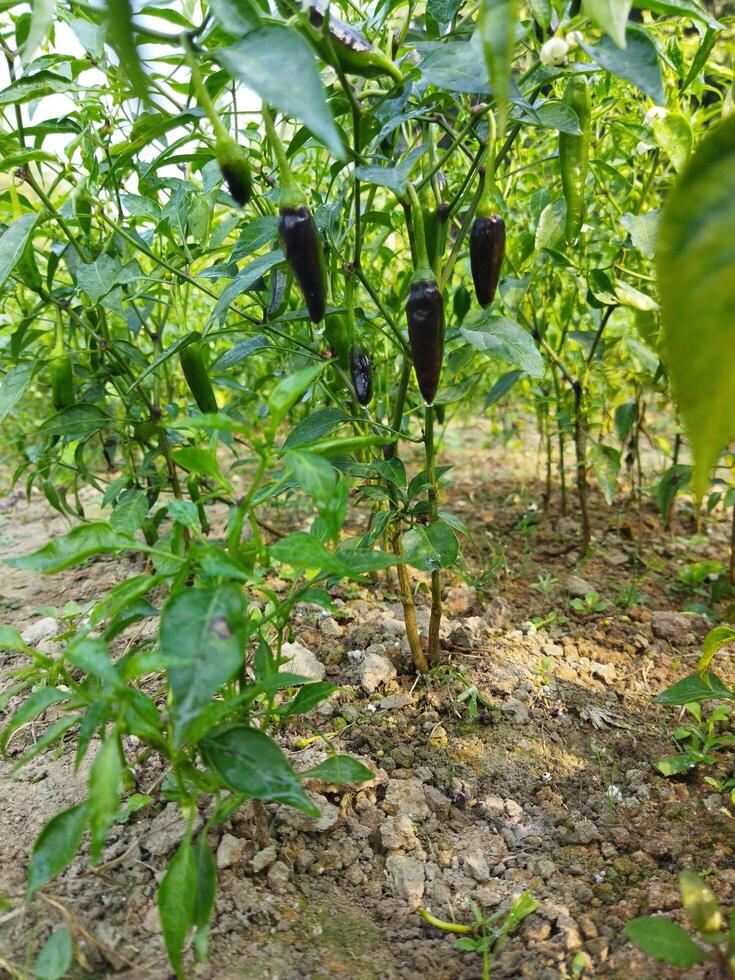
x,y
436,580
291,194
423,267
203,97
486,206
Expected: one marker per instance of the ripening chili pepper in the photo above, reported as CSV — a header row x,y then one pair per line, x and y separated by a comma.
x,y
424,313
338,334
280,289
362,377
354,54
436,217
62,381
574,155
234,167
302,247
194,367
487,235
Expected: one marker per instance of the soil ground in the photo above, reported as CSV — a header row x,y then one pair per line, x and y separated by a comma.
x,y
550,787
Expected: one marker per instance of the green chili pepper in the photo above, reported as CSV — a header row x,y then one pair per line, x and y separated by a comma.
x,y
234,167
436,217
354,54
574,155
62,381
194,367
424,313
338,334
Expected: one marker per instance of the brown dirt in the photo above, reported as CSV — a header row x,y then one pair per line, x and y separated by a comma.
x,y
518,797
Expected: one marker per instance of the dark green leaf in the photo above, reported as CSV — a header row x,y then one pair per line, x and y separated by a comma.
x,y
56,846
250,762
339,769
73,548
665,940
177,900
202,639
280,67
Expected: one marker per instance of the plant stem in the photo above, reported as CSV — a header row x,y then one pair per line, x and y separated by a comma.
x,y
291,194
436,582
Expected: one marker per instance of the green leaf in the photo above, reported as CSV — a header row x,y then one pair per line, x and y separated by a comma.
x,y
290,389
696,687
551,224
250,762
306,698
278,65
236,17
637,64
673,765
700,903
611,16
102,275
202,640
241,351
500,337
324,484
14,385
167,354
665,940
121,596
34,706
104,787
501,387
394,178
177,900
42,17
673,134
628,295
303,550
606,465
56,956
245,281
120,36
497,21
73,548
458,66
696,275
314,427
674,479
643,231
56,846
92,655
430,548
13,241
339,769
130,511
682,8
196,459
717,638
77,422
206,893
32,87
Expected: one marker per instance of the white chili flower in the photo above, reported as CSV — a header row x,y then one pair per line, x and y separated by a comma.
x,y
554,52
657,112
574,39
